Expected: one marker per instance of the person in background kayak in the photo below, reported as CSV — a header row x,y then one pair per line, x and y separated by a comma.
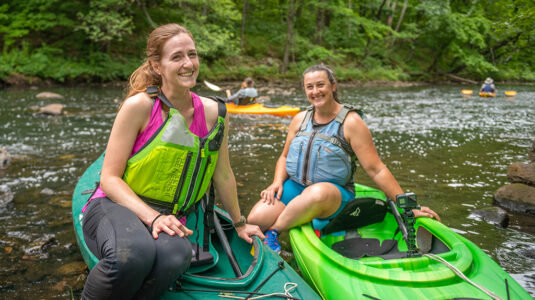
x,y
142,245
488,86
314,174
246,95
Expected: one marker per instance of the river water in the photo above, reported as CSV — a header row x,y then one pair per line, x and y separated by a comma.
x,y
452,151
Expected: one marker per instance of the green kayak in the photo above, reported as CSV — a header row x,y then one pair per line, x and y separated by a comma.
x,y
359,270
249,270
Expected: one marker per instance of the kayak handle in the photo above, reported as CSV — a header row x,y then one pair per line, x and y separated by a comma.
x,y
401,225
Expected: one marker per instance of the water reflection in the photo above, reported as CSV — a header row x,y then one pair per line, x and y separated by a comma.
x,y
452,151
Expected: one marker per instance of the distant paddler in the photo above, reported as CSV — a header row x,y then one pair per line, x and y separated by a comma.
x,y
487,88
246,95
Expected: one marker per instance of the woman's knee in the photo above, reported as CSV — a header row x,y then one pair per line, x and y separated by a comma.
x,y
133,258
256,215
322,193
265,215
176,252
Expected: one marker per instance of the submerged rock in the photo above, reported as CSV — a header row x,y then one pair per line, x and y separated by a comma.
x,y
494,215
73,268
6,196
531,155
52,109
522,173
516,197
48,95
5,158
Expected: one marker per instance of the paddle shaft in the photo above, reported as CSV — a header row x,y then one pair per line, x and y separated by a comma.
x,y
226,246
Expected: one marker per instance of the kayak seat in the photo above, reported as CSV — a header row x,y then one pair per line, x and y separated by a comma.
x,y
246,101
357,213
356,248
204,257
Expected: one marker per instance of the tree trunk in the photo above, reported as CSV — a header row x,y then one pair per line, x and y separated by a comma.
x,y
243,17
289,35
391,17
146,13
457,78
377,17
320,23
401,15
349,23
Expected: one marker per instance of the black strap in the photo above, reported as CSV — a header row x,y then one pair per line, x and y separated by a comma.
x,y
221,107
208,218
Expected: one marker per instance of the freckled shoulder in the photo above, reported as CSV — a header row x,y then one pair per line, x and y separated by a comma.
x,y
140,102
210,109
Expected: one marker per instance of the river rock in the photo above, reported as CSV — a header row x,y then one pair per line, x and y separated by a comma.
x,y
493,215
52,109
5,158
48,95
47,192
531,155
522,173
516,197
6,196
73,268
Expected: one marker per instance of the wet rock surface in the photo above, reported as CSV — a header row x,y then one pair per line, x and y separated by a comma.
x,y
51,109
494,215
522,173
5,158
48,95
516,197
519,197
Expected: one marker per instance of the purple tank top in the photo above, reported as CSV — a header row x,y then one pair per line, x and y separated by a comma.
x,y
197,127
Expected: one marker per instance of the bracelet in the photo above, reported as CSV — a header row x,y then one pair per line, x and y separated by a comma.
x,y
154,220
240,223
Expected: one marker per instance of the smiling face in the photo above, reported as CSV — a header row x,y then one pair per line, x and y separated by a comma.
x,y
318,88
179,64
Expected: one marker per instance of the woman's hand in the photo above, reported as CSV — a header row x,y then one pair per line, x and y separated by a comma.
x,y
170,225
246,231
425,211
272,193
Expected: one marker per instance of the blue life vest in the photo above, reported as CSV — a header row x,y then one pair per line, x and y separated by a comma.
x,y
322,155
487,88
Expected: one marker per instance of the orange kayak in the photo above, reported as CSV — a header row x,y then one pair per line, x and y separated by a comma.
x,y
261,109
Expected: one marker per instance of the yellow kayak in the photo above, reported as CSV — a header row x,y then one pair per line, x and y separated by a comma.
x,y
467,92
261,109
485,94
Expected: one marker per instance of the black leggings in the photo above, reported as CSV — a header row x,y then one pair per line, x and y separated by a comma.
x,y
133,265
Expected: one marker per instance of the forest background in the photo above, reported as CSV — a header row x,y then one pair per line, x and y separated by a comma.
x,y
85,41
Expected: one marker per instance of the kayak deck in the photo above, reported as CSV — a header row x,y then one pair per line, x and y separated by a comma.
x,y
486,95
391,275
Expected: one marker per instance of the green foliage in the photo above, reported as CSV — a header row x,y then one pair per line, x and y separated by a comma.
x,y
102,40
106,20
213,42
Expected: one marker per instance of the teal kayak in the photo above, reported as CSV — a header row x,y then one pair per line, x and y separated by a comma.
x,y
345,265
248,270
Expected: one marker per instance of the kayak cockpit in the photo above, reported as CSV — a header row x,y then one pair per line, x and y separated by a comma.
x,y
385,242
